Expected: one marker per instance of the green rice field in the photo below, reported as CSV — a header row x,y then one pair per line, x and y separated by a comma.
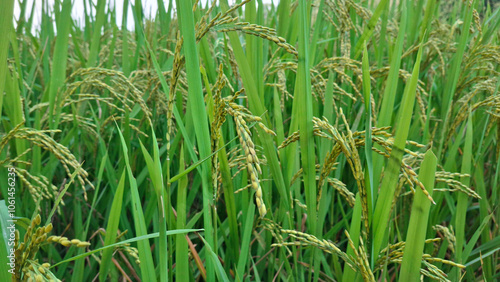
x,y
250,140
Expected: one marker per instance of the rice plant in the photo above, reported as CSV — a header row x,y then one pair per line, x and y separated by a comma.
x,y
250,141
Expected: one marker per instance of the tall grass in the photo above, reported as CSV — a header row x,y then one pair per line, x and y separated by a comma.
x,y
299,141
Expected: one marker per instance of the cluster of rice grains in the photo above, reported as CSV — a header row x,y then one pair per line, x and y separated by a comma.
x,y
225,22
123,97
40,186
27,268
348,144
219,117
358,262
121,247
241,115
93,98
394,254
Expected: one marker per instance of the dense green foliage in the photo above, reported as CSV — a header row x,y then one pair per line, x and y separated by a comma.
x,y
295,141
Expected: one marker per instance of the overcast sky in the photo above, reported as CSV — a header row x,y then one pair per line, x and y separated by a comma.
x,y
150,7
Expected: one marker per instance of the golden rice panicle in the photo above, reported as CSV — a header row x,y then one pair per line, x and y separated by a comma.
x,y
361,259
235,7
455,185
274,229
352,156
448,234
305,239
42,139
12,134
202,27
176,70
26,265
294,137
246,141
219,114
133,252
39,186
412,175
434,272
327,167
34,271
252,161
262,32
428,258
119,87
67,242
343,191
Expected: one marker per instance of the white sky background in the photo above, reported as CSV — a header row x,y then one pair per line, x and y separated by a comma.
x,y
150,8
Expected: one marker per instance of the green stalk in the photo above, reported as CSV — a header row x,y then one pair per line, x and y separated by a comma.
x,y
491,25
368,132
429,11
415,238
181,246
245,240
251,40
58,74
415,14
78,272
484,208
112,227
96,35
165,19
221,275
284,18
155,172
147,266
369,28
6,15
463,200
304,105
389,96
454,74
14,108
125,52
304,97
318,28
391,176
199,116
354,232
382,46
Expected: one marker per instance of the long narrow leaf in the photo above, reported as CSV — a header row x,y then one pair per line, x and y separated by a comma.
x,y
391,175
415,238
